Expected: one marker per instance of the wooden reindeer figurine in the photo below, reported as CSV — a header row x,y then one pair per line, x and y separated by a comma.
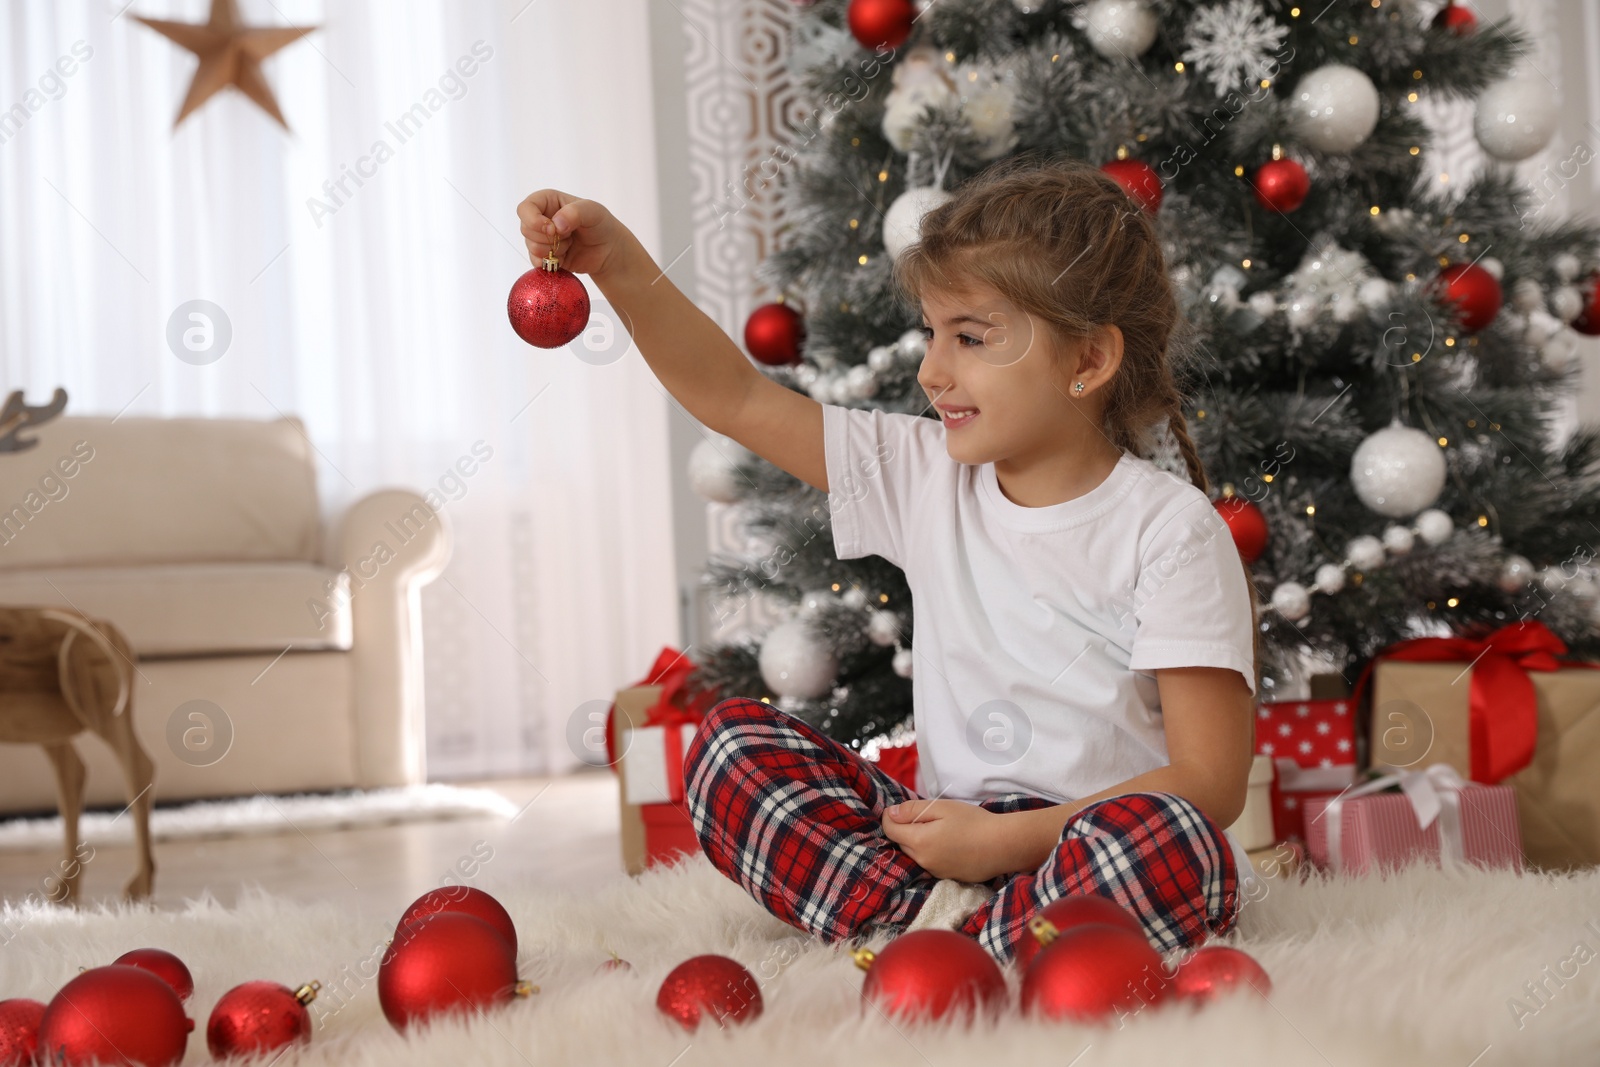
x,y
62,673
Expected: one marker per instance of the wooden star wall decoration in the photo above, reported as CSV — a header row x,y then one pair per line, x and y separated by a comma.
x,y
230,54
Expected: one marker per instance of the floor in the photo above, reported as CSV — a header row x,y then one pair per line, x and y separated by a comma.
x,y
566,836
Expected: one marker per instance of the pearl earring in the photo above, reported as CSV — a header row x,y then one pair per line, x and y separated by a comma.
x,y
1078,388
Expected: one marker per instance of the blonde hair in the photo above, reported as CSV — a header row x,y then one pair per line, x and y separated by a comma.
x,y
1063,241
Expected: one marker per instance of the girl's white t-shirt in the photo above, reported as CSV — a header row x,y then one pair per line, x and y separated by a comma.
x,y
1037,628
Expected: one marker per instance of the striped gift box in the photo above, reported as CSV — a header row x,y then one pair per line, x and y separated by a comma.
x,y
1381,831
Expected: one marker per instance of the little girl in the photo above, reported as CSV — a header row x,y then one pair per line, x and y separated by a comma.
x,y
1086,654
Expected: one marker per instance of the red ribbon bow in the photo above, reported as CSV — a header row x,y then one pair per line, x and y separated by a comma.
x,y
674,707
1502,707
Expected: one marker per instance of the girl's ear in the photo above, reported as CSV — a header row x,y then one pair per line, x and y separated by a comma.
x,y
1099,356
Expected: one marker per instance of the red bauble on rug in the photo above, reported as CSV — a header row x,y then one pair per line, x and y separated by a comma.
x,y
19,1031
445,962
929,974
881,23
773,334
1475,292
164,965
1281,185
1137,180
466,900
1092,973
1069,913
1247,525
260,1017
114,1015
1217,971
709,987
548,305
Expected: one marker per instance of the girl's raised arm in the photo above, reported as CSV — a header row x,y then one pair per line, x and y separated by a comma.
x,y
699,364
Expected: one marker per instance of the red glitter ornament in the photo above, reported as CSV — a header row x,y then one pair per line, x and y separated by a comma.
x,y
881,23
1069,913
1216,971
1456,18
19,1031
1246,523
1588,320
1092,972
1138,180
114,1015
164,965
548,305
709,986
773,334
1281,185
1474,291
260,1017
445,962
928,974
466,900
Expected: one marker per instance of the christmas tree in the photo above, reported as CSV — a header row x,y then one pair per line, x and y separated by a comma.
x,y
1374,356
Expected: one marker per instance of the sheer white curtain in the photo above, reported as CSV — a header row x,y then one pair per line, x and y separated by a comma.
x,y
362,262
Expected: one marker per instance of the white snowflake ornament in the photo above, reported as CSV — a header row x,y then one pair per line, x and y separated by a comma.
x,y
1232,44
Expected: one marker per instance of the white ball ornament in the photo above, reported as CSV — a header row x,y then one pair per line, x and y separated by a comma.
x,y
1435,526
902,663
854,598
1335,108
1292,601
1263,303
1496,269
1515,573
1375,293
1120,28
902,223
861,382
814,601
1566,302
1330,578
713,465
1560,352
1516,117
1526,296
1398,471
794,663
1365,553
1541,327
902,115
990,112
806,375
883,628
1566,266
1398,540
913,346
881,358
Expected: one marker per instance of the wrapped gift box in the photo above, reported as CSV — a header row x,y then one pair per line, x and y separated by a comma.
x,y
1294,787
1535,720
1366,831
652,763
1312,733
900,763
651,833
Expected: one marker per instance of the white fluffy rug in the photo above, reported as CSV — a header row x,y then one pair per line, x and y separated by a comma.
x,y
266,815
1422,968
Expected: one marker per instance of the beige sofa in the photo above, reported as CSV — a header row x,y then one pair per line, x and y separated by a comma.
x,y
274,654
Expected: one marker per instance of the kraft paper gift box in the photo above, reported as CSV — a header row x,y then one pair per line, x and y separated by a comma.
x,y
1254,826
651,833
1437,816
1536,719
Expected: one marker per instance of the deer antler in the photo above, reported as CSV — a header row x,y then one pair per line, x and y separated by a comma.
x,y
17,415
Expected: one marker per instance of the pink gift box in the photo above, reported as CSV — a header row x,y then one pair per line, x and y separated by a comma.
x,y
1381,831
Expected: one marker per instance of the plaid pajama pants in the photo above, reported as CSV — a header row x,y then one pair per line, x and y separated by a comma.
x,y
796,819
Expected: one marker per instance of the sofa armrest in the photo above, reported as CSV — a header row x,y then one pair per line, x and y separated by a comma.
x,y
391,543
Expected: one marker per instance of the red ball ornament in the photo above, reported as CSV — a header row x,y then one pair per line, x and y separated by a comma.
x,y
927,974
466,900
114,1015
1137,180
1246,523
1069,913
712,987
445,962
1091,973
1281,185
260,1017
1456,18
19,1031
1474,291
773,334
1216,971
548,305
881,23
1588,320
164,965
